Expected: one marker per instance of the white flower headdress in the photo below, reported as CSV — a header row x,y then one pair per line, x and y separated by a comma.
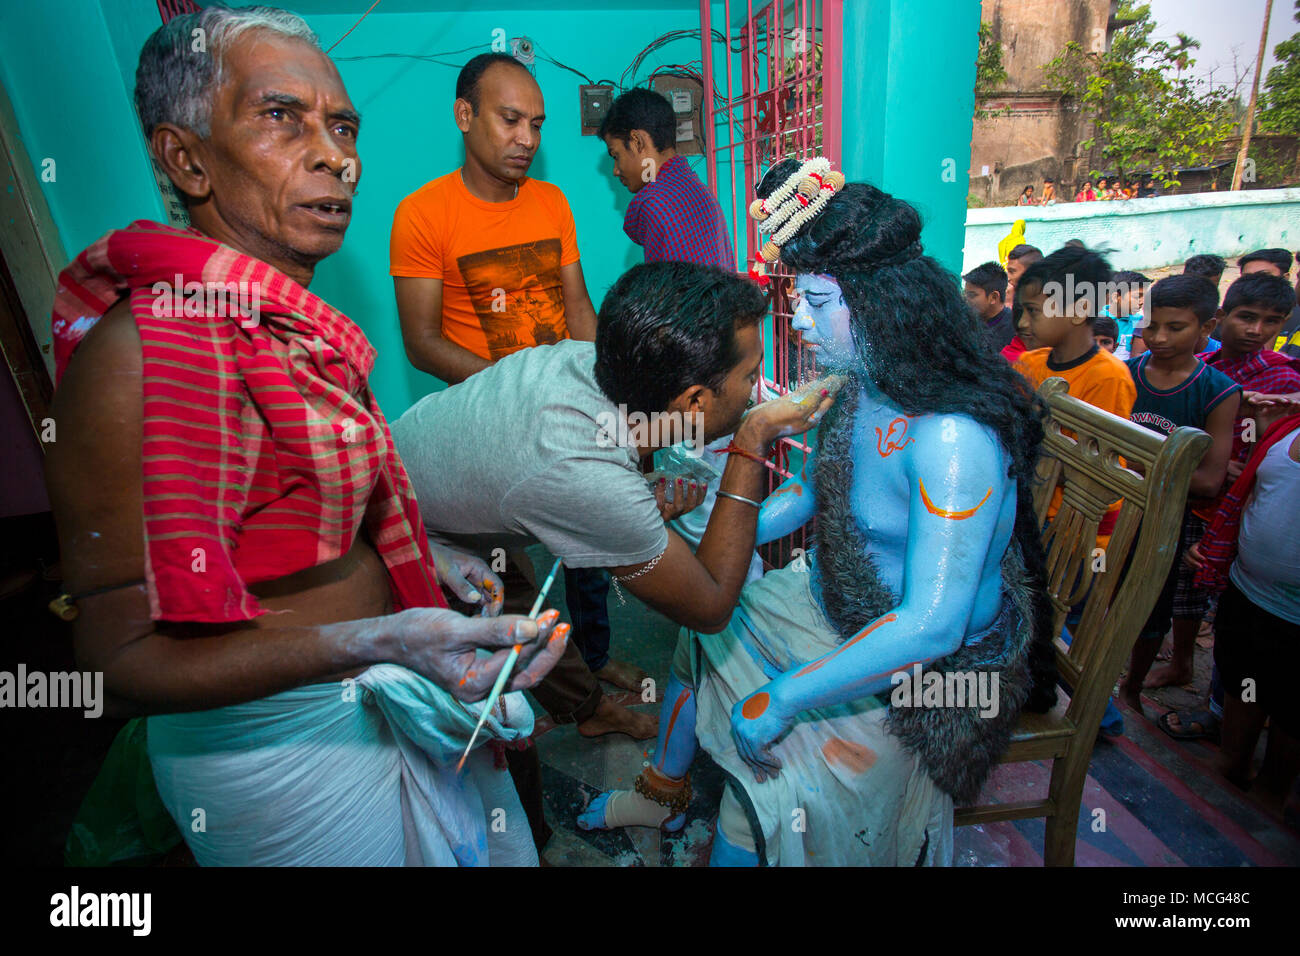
x,y
795,203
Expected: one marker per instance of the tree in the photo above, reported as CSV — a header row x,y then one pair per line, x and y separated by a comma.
x,y
1279,110
1146,116
990,73
1179,52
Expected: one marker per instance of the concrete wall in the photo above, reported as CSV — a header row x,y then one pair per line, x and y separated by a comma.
x,y
1010,152
1030,132
1147,233
1033,32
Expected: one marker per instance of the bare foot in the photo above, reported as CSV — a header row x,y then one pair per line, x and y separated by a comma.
x,y
620,674
1172,675
1131,696
612,718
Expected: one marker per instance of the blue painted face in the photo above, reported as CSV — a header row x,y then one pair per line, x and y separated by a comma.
x,y
821,316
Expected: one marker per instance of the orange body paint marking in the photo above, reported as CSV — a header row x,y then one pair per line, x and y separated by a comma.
x,y
853,757
754,707
943,512
677,709
892,442
844,647
797,489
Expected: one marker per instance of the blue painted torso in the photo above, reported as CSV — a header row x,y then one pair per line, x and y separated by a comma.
x,y
885,480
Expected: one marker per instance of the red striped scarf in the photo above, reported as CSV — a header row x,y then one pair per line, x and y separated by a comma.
x,y
264,449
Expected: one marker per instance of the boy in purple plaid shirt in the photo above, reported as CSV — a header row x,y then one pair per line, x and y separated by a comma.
x,y
673,216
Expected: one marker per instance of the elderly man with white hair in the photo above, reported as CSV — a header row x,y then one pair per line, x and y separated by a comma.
x,y
244,556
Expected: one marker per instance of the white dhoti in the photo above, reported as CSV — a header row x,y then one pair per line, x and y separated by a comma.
x,y
344,774
848,793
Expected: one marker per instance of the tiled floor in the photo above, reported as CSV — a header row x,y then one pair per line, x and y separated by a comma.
x,y
1163,803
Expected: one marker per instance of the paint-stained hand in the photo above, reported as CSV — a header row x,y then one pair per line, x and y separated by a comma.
x,y
443,646
685,496
756,724
469,578
794,413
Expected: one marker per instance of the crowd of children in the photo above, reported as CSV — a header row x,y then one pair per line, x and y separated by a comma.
x,y
1100,189
1174,354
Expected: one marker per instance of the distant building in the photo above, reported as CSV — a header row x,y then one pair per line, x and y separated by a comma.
x,y
1031,134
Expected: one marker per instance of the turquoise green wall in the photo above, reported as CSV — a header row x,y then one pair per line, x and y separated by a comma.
x,y
909,98
908,85
58,65
1147,233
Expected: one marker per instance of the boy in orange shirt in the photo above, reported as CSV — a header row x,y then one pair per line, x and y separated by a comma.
x,y
1057,298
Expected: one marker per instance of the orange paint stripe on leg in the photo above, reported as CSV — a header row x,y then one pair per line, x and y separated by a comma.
x,y
755,706
677,709
943,512
816,664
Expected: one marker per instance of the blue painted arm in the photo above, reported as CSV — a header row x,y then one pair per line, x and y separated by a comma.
x,y
788,508
957,476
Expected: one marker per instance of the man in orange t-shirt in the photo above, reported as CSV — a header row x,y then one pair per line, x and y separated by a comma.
x,y
484,259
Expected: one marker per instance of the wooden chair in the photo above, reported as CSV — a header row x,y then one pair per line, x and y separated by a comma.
x,y
1119,598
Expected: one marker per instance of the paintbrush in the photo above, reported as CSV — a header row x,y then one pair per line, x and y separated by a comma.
x,y
511,658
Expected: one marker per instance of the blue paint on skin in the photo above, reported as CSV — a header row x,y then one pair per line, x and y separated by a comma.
x,y
821,317
946,569
942,555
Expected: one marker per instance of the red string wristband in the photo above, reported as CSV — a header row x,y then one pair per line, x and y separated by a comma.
x,y
736,449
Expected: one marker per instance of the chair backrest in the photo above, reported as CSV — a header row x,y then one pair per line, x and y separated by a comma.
x,y
1090,454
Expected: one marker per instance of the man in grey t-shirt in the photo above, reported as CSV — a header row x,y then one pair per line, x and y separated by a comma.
x,y
545,446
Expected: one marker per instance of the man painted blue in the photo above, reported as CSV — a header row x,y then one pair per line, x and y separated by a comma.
x,y
926,554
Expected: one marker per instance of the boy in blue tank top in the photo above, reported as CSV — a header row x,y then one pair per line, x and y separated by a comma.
x,y
1176,388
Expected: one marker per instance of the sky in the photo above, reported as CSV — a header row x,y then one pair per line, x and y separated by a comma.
x,y
1221,26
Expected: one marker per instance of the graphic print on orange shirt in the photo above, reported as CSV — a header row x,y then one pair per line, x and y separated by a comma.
x,y
529,276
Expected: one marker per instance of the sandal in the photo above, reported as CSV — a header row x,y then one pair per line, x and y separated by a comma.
x,y
1186,718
